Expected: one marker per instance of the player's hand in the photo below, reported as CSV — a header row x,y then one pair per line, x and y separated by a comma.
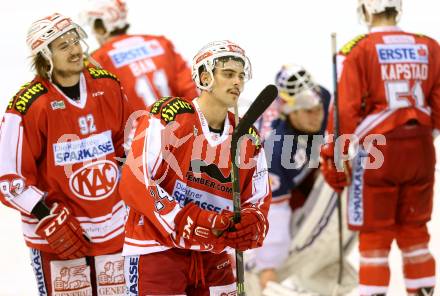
x,y
63,233
194,223
249,233
336,179
267,275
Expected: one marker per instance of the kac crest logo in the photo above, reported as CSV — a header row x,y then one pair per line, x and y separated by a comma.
x,y
94,181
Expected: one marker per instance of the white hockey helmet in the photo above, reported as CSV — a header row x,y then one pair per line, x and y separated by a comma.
x,y
43,31
207,58
377,6
113,14
296,89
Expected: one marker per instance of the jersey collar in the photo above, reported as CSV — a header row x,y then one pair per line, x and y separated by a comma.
x,y
212,138
82,93
385,29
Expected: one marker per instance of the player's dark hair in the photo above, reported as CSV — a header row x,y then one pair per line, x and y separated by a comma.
x,y
229,58
41,65
389,13
99,25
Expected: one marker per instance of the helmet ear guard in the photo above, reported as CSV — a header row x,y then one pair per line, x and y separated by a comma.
x,y
206,59
371,7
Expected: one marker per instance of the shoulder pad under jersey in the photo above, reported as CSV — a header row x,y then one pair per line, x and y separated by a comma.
x,y
170,107
26,96
348,47
101,73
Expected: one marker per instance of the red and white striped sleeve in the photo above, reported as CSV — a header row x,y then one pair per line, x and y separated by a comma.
x,y
139,181
20,147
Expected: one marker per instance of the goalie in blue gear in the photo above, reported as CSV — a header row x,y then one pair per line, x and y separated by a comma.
x,y
300,253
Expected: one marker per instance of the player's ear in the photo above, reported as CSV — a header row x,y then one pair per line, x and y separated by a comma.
x,y
205,78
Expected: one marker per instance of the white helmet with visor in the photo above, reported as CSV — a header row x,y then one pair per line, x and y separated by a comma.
x,y
44,31
206,58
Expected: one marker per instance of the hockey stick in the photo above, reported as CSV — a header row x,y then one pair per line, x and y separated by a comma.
x,y
263,100
337,160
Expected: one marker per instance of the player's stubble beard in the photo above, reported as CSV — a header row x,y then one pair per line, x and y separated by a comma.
x,y
226,98
67,73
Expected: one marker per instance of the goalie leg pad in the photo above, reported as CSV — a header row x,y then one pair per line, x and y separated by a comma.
x,y
313,260
252,282
314,229
322,282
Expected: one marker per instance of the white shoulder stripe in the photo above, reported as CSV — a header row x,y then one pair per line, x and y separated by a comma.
x,y
11,139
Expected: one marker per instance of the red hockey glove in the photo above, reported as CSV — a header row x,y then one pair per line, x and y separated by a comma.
x,y
194,223
249,233
63,233
336,179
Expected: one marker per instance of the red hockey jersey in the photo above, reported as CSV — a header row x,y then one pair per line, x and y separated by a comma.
x,y
174,160
388,77
148,67
50,144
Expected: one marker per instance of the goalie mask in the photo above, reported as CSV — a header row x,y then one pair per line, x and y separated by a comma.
x,y
296,89
377,6
42,32
113,14
206,59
